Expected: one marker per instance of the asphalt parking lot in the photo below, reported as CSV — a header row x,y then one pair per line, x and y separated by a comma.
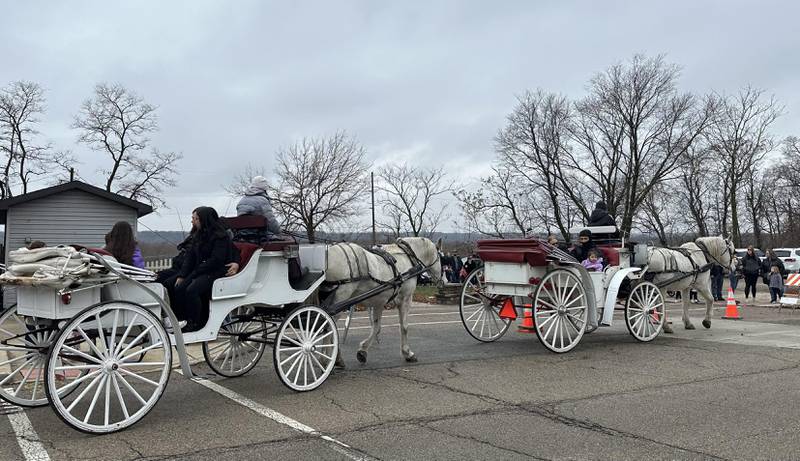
x,y
725,393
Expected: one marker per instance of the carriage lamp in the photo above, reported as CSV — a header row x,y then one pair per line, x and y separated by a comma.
x,y
66,298
534,280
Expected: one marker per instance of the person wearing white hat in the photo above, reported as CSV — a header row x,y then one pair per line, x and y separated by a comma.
x,y
256,202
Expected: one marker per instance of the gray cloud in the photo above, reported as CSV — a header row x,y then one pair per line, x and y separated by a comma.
x,y
429,82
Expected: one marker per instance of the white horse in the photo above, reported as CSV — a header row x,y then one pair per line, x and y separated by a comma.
x,y
355,271
695,258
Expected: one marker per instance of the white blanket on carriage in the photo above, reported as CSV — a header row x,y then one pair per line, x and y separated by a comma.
x,y
60,267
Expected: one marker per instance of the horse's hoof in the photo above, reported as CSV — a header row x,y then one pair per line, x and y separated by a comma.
x,y
361,356
689,326
668,329
412,359
707,323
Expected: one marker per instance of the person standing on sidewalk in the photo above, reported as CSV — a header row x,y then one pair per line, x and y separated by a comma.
x,y
717,276
751,268
775,284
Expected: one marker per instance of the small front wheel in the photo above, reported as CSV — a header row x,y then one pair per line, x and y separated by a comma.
x,y
644,311
124,355
306,347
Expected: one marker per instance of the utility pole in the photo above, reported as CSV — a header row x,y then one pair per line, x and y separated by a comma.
x,y
71,174
372,191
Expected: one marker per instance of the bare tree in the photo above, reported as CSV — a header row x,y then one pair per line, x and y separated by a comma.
x,y
409,197
741,139
118,122
497,207
660,214
21,105
241,181
532,146
320,182
634,130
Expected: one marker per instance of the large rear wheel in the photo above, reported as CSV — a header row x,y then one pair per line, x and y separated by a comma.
x,y
125,357
239,345
24,344
480,311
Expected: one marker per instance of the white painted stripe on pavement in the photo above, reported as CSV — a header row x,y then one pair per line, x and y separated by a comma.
x,y
280,418
29,442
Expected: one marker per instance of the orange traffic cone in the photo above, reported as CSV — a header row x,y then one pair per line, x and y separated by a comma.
x,y
508,311
527,320
731,310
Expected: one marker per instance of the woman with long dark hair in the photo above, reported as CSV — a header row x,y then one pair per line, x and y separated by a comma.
x,y
123,246
206,260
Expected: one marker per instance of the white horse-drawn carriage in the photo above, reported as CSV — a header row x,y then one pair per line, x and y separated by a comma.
x,y
88,335
566,300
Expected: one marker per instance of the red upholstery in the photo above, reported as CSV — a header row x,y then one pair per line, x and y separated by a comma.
x,y
610,254
246,222
246,251
512,251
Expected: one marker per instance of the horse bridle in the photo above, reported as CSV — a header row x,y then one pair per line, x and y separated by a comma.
x,y
708,254
412,256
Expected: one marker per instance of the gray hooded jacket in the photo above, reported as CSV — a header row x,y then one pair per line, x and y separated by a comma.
x,y
256,202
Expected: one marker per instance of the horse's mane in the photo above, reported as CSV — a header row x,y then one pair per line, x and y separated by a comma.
x,y
716,245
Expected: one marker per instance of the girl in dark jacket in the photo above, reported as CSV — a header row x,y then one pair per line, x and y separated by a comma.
x,y
751,268
206,260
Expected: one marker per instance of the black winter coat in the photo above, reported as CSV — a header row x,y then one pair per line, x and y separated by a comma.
x,y
600,217
581,252
209,257
751,265
766,267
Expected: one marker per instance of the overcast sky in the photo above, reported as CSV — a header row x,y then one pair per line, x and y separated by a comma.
x,y
427,82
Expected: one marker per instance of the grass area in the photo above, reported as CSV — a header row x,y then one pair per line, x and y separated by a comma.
x,y
424,293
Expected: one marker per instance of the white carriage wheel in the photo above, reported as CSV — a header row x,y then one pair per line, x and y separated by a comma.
x,y
233,353
116,389
480,313
24,344
644,311
306,347
560,310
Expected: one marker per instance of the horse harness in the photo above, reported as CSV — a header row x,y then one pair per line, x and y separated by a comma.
x,y
417,267
696,269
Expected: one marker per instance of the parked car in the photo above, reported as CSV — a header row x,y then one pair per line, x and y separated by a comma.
x,y
790,258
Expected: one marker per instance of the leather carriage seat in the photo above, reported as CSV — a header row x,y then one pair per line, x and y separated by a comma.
x,y
246,251
610,254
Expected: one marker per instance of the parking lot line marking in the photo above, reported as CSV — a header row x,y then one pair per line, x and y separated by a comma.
x,y
27,439
340,447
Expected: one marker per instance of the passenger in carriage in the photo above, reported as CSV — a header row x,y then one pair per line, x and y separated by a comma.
x,y
601,217
593,263
256,202
585,244
207,258
122,246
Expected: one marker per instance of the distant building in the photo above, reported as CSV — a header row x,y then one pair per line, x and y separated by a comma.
x,y
74,212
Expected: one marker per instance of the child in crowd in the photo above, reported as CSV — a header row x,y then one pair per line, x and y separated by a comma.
x,y
775,284
593,263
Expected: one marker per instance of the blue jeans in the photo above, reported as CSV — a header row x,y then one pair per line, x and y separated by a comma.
x,y
733,280
716,286
775,293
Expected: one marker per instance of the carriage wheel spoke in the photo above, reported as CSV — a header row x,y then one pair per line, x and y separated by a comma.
x,y
84,392
119,396
11,375
94,398
139,377
126,333
131,389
